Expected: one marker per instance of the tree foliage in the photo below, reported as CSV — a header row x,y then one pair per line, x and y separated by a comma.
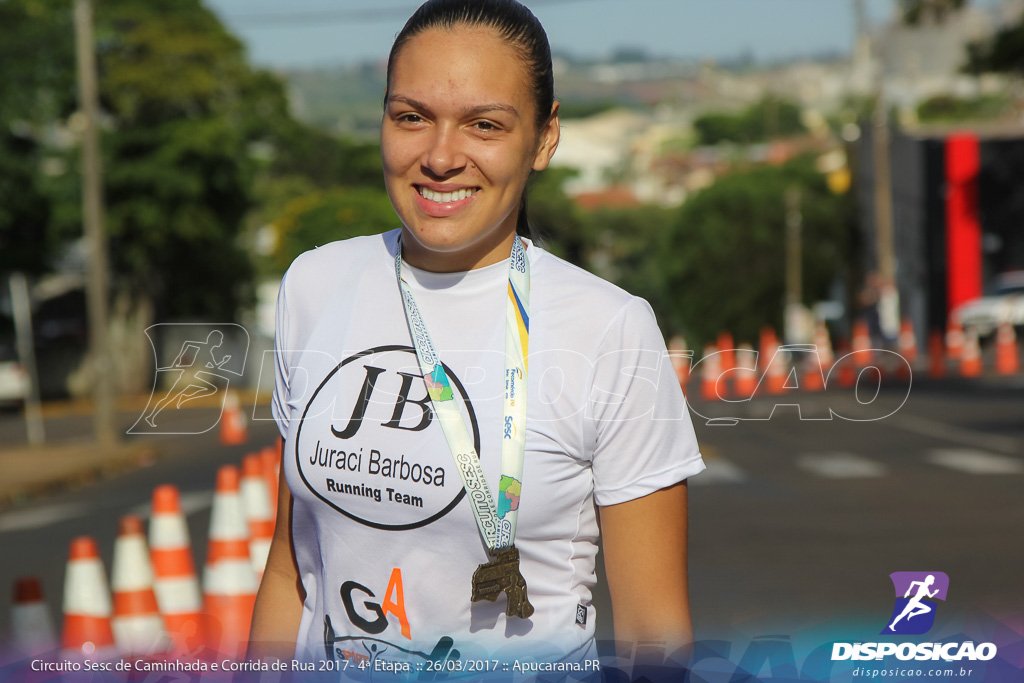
x,y
1003,52
32,88
768,118
721,262
189,130
325,216
914,12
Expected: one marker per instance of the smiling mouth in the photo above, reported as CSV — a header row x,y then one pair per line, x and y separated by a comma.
x,y
446,197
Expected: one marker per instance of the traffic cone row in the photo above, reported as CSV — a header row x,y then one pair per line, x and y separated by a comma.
x,y
728,374
153,604
962,347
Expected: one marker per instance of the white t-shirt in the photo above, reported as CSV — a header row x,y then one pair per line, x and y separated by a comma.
x,y
384,537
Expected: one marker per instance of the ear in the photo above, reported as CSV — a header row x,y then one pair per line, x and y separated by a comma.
x,y
548,142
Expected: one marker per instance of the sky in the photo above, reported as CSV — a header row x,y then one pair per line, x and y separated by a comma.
x,y
330,32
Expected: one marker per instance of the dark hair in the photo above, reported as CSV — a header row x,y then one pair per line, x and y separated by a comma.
x,y
513,22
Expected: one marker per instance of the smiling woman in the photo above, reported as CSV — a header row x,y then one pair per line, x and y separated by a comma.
x,y
460,137
537,396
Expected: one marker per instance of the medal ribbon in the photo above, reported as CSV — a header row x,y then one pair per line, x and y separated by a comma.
x,y
496,520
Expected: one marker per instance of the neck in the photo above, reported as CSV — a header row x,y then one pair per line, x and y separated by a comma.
x,y
418,256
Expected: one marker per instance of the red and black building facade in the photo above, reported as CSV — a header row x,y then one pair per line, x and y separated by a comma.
x,y
958,215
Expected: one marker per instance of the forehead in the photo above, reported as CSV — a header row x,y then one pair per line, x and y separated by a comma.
x,y
467,64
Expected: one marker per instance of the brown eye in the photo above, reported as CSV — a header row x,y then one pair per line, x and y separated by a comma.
x,y
485,126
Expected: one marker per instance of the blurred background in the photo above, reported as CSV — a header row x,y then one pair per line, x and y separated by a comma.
x,y
838,166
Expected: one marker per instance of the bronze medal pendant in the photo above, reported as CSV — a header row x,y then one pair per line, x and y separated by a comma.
x,y
503,574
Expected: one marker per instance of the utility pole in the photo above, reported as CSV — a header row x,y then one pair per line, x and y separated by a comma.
x,y
888,304
92,211
797,329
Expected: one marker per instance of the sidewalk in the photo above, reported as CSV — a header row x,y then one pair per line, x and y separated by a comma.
x,y
29,471
67,463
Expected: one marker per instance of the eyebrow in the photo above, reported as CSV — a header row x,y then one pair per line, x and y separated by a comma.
x,y
470,111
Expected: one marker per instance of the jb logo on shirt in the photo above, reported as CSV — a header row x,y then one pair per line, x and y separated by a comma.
x,y
367,445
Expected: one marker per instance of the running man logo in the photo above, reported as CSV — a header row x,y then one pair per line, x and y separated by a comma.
x,y
916,592
204,360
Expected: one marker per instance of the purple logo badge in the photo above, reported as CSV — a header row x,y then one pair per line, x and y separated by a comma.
x,y
916,593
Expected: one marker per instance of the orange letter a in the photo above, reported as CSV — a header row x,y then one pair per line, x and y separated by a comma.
x,y
397,606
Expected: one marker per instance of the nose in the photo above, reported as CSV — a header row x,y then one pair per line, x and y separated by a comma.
x,y
444,154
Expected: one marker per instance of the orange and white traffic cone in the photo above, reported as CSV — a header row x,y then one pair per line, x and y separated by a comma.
x,y
744,375
680,359
775,378
766,348
175,582
233,431
862,352
259,513
936,356
813,379
711,370
823,345
954,338
970,356
87,631
847,376
138,627
1007,353
229,583
271,461
31,626
727,352
908,341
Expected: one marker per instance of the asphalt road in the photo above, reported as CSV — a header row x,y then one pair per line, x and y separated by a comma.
x,y
795,522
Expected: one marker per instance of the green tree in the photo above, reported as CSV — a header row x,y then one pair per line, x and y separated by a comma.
x,y
32,89
325,216
178,172
722,262
556,220
951,108
1003,52
915,11
768,118
24,209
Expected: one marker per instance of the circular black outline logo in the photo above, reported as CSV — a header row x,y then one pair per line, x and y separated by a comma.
x,y
377,525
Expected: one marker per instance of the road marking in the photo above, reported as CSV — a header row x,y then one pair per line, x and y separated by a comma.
x,y
191,503
719,471
840,466
975,462
35,518
942,430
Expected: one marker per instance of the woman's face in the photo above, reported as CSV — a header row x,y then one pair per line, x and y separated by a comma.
x,y
459,139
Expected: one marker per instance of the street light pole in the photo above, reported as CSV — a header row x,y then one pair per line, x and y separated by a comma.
x,y
797,325
888,304
92,211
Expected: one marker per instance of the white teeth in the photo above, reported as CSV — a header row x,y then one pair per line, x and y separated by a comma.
x,y
445,197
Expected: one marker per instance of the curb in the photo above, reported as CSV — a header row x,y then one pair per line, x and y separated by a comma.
x,y
82,464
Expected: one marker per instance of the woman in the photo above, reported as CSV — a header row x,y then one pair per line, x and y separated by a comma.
x,y
397,377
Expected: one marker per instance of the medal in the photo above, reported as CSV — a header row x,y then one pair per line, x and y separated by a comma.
x,y
495,520
502,574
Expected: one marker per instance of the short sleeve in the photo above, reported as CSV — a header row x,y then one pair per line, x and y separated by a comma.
x,y
644,437
279,401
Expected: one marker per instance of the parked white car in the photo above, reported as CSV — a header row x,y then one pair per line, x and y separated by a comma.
x,y
1003,301
14,382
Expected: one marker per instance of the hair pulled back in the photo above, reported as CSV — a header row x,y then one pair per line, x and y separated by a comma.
x,y
515,24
